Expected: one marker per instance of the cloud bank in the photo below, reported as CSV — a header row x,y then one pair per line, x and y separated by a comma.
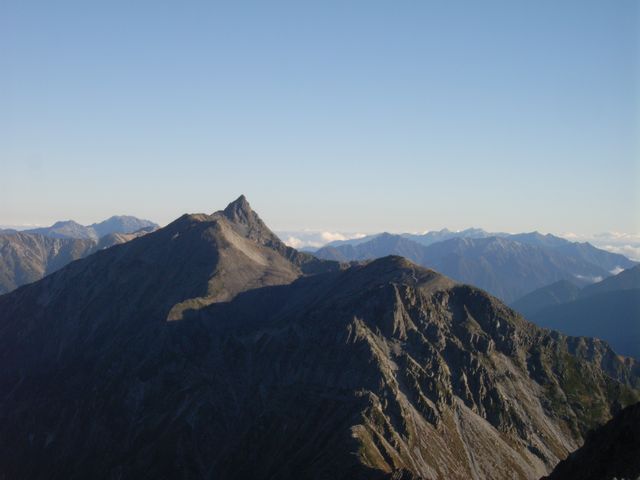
x,y
627,244
313,239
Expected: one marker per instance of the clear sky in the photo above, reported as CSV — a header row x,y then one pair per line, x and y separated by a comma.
x,y
347,115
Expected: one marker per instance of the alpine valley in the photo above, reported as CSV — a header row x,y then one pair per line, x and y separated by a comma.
x,y
208,349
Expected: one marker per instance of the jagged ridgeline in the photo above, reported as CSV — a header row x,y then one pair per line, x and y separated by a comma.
x,y
209,349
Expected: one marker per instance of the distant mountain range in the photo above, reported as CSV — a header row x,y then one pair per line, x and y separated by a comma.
x,y
209,349
609,310
627,244
29,255
506,265
115,224
435,236
427,238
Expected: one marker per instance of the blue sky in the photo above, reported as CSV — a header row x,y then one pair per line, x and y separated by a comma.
x,y
349,116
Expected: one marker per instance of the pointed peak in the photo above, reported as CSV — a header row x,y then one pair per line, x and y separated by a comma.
x,y
247,222
239,209
240,202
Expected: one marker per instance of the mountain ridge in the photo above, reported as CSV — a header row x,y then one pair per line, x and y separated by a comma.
x,y
196,351
115,224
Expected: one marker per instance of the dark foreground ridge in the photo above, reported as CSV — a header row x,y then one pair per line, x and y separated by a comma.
x,y
209,349
611,451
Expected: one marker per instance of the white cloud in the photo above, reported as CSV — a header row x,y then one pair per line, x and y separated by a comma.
x,y
314,238
618,237
627,244
616,270
293,242
589,279
630,251
570,236
333,236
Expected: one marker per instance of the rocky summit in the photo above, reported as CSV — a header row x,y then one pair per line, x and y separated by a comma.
x,y
210,350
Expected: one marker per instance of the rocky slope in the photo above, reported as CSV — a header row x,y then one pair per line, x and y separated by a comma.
x,y
27,257
116,238
208,349
610,452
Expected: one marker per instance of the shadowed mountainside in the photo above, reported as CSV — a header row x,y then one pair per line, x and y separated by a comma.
x,y
613,316
609,310
559,292
208,349
611,451
626,280
565,291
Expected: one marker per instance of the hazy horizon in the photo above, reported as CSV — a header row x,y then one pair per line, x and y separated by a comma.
x,y
625,243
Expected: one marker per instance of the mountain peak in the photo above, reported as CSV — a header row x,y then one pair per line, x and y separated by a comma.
x,y
65,223
239,210
394,269
247,222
